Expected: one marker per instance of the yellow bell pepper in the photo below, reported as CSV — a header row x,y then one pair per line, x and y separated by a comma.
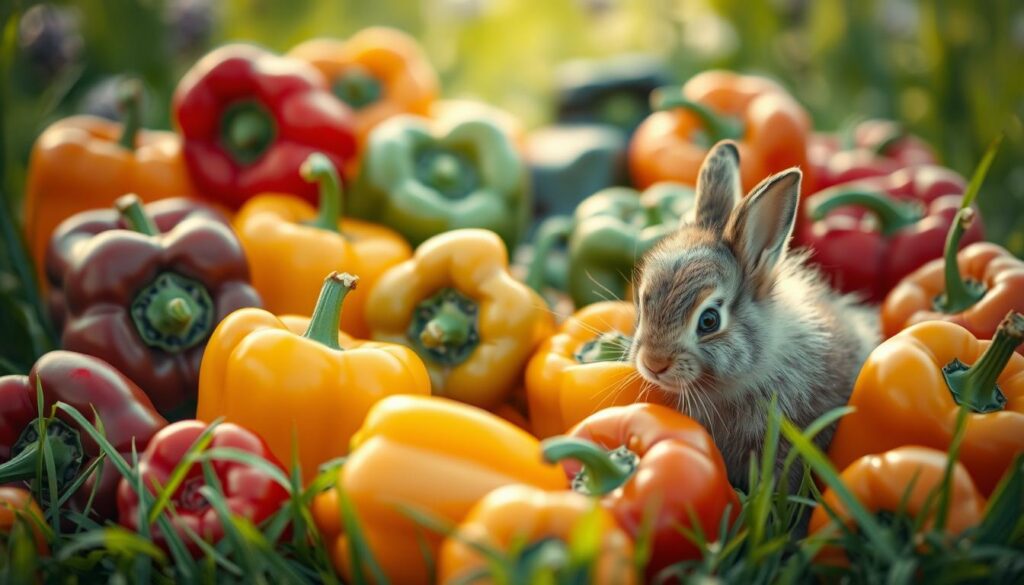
x,y
431,455
456,304
308,388
282,234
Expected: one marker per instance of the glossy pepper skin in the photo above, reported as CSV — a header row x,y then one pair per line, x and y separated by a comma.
x,y
871,148
75,233
85,162
101,394
585,367
881,483
646,459
285,235
147,301
869,234
314,387
422,178
249,118
455,303
429,454
973,288
524,518
379,72
609,232
911,387
17,505
248,491
769,126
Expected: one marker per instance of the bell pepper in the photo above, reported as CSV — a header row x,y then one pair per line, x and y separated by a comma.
x,y
147,301
869,234
448,113
17,505
871,148
652,463
248,491
612,91
249,118
75,232
423,179
102,395
904,479
284,235
303,392
526,524
912,385
432,455
455,303
585,367
609,233
379,72
570,162
769,126
973,288
85,162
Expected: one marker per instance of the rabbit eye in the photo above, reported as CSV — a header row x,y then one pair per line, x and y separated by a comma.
x,y
708,322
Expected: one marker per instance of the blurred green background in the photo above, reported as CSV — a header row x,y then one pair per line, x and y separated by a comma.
x,y
952,71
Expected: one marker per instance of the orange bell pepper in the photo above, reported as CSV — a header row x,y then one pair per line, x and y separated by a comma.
x,y
769,126
456,304
306,391
912,385
881,483
584,368
428,454
379,72
17,505
973,288
284,235
86,162
516,519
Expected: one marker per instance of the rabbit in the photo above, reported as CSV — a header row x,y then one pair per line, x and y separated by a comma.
x,y
726,317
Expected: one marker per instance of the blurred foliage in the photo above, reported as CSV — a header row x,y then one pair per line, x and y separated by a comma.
x,y
950,69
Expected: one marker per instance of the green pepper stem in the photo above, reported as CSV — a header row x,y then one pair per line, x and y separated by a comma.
x,y
976,385
247,130
358,88
899,132
892,214
553,230
22,467
449,327
317,168
129,103
601,472
960,295
323,325
134,215
718,127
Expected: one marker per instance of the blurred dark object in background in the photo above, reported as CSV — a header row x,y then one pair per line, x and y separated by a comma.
x,y
191,24
614,90
101,99
51,39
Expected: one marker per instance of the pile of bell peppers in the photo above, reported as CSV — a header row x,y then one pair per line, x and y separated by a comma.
x,y
325,267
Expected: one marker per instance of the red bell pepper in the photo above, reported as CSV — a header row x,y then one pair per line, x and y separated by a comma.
x,y
869,234
649,462
101,394
248,491
250,117
872,148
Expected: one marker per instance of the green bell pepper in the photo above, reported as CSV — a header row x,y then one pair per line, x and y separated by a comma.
x,y
609,233
422,180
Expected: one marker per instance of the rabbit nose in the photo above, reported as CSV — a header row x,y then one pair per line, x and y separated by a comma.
x,y
656,364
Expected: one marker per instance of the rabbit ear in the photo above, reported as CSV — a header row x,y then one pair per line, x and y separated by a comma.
x,y
718,186
760,227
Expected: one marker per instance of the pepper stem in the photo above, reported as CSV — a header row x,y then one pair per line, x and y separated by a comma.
x,y
960,294
129,103
553,230
247,130
450,326
134,215
323,325
898,133
358,88
607,347
317,168
892,214
603,471
975,386
717,127
65,445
